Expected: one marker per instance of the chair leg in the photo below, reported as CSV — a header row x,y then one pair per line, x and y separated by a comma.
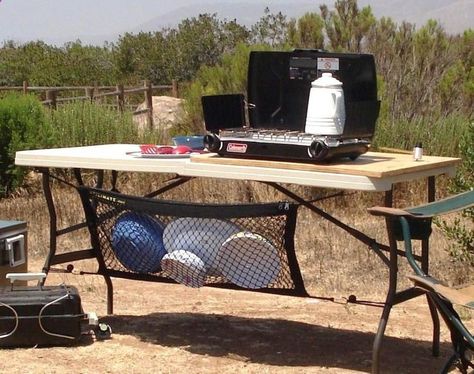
x,y
456,361
436,326
379,336
451,363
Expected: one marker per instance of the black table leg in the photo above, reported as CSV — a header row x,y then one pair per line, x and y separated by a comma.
x,y
392,288
52,221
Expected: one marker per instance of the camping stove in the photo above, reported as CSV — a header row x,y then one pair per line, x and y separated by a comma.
x,y
270,120
283,145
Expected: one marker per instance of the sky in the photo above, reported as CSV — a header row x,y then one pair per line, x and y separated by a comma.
x,y
94,21
25,20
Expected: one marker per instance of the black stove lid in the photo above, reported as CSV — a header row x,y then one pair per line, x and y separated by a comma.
x,y
279,85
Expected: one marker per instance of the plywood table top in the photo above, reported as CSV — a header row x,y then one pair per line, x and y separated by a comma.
x,y
372,171
370,164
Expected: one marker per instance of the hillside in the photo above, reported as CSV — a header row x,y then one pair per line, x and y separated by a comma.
x,y
57,22
455,15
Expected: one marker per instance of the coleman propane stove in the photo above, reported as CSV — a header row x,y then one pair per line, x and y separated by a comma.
x,y
272,123
283,145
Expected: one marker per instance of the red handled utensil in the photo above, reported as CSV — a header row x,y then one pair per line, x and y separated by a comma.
x,y
151,149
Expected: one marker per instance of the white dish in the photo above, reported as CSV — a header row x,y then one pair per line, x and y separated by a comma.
x,y
185,268
248,260
201,236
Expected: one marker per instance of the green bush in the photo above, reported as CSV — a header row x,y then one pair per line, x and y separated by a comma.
x,y
461,231
23,125
440,137
86,123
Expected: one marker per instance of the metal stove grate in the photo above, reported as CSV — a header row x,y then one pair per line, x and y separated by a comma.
x,y
276,136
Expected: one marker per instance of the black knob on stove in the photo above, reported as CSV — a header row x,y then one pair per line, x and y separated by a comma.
x,y
212,142
318,150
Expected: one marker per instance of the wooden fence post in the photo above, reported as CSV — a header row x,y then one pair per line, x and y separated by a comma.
x,y
149,103
25,87
90,93
120,97
96,90
174,88
51,97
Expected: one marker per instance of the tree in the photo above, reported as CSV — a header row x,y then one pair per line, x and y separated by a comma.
x,y
306,32
84,65
200,41
12,70
347,26
142,56
28,62
44,65
271,29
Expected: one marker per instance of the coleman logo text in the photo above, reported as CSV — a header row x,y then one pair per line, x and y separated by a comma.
x,y
236,147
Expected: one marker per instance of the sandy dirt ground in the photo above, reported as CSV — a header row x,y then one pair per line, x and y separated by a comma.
x,y
166,328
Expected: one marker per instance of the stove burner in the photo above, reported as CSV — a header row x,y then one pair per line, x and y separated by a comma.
x,y
276,136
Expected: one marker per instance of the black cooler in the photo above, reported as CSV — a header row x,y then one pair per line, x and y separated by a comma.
x,y
271,124
43,316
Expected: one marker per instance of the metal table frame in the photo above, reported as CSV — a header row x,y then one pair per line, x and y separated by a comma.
x,y
389,254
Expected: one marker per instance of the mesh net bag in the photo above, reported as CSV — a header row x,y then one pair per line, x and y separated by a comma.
x,y
243,246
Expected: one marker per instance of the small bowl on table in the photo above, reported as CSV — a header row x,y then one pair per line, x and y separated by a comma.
x,y
195,142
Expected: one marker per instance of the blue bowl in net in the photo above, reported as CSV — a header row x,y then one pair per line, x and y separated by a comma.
x,y
137,241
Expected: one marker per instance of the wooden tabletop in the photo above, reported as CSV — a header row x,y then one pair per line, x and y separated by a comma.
x,y
373,171
370,164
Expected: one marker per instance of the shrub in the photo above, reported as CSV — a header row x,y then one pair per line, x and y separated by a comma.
x,y
461,231
440,137
86,123
23,125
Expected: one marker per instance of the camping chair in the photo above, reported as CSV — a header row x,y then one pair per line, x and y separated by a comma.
x,y
415,223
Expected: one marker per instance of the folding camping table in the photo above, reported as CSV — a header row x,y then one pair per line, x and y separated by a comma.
x,y
373,171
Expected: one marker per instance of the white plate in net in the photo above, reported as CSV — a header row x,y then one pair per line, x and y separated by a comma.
x,y
248,260
185,268
201,236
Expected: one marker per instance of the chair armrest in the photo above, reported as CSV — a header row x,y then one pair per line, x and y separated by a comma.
x,y
394,212
450,204
460,296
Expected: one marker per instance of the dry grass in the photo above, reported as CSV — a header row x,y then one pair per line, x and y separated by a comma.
x,y
219,331
332,261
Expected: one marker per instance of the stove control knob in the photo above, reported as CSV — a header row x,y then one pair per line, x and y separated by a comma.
x,y
318,150
212,142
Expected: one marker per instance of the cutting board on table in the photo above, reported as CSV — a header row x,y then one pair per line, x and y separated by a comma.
x,y
370,164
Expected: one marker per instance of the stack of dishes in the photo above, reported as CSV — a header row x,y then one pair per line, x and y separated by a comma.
x,y
190,249
194,238
248,260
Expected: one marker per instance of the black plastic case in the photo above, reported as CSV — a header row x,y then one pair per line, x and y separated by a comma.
x,y
30,316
